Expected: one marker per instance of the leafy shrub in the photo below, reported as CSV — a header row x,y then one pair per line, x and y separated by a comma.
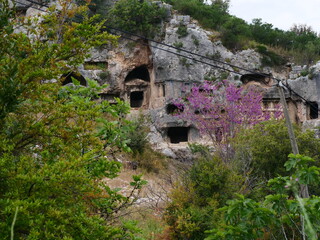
x,y
224,75
263,150
212,179
300,43
150,160
178,44
142,17
104,75
95,66
137,135
283,213
182,31
235,33
304,73
199,148
195,40
211,78
143,156
185,62
52,161
205,187
270,58
209,16
216,55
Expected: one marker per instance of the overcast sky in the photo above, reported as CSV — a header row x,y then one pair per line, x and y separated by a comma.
x,y
280,13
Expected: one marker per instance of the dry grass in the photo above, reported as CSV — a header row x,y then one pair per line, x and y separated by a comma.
x,y
150,205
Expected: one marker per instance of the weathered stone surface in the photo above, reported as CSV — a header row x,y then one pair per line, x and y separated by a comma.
x,y
168,153
305,87
172,73
172,76
248,59
23,5
33,12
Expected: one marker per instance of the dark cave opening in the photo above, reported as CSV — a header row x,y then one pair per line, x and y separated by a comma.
x,y
178,134
139,73
314,110
172,109
263,78
136,99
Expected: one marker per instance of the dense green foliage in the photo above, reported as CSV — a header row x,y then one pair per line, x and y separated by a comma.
x,y
270,58
205,187
260,153
209,16
142,17
264,148
301,42
279,214
57,143
52,149
142,154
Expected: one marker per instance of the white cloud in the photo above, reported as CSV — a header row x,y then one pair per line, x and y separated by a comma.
x,y
281,13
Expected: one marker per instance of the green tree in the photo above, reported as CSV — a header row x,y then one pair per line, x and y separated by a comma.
x,y
280,214
206,186
209,16
52,157
235,33
263,150
142,17
262,32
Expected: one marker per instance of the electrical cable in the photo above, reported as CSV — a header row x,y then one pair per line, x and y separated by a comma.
x,y
196,60
187,51
184,50
30,6
37,3
231,65
225,69
181,55
191,53
181,49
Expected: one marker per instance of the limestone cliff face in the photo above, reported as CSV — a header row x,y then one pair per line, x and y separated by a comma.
x,y
149,75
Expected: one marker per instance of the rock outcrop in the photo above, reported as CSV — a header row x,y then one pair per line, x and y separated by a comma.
x,y
149,75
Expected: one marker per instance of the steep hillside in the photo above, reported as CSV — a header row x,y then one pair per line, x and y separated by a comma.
x,y
150,74
65,137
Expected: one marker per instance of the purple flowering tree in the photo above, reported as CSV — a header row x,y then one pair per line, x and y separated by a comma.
x,y
220,110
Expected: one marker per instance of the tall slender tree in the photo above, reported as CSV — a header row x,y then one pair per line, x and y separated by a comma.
x,y
52,157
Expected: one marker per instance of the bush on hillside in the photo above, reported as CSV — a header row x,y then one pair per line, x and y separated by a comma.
x,y
262,151
141,17
206,187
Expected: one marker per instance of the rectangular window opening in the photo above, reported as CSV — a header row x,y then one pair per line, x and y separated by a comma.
x,y
136,99
314,111
178,134
164,90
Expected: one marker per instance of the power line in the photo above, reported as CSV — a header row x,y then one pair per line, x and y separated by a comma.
x,y
191,53
175,53
24,4
187,51
181,55
225,69
194,59
37,3
215,60
182,50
